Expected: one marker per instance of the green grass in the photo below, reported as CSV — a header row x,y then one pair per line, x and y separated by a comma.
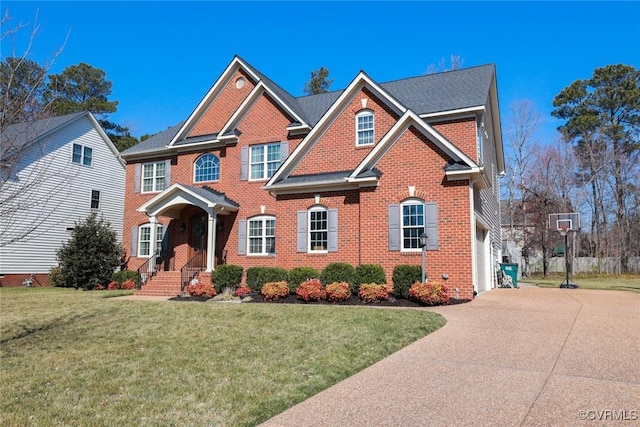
x,y
75,358
624,282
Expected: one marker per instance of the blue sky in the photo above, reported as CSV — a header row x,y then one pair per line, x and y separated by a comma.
x,y
162,57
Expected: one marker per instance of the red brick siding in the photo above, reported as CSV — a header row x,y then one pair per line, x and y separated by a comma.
x,y
223,107
17,280
462,133
339,140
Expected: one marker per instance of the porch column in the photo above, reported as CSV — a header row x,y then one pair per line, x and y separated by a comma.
x,y
211,241
153,222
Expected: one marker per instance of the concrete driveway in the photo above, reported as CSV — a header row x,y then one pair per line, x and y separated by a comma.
x,y
511,357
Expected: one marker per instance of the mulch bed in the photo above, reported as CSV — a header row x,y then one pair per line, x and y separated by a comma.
x,y
354,300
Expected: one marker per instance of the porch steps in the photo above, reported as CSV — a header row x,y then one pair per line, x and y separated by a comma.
x,y
164,283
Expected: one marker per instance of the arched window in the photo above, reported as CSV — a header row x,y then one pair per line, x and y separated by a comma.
x,y
207,168
318,229
364,128
261,235
412,224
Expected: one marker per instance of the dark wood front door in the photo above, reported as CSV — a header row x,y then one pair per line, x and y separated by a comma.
x,y
199,233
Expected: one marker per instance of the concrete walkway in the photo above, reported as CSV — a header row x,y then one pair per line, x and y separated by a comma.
x,y
512,357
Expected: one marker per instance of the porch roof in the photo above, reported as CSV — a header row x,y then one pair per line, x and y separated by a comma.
x,y
171,201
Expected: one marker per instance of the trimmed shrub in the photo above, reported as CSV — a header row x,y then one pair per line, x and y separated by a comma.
x,y
372,292
368,273
298,275
201,290
403,277
56,278
242,291
259,276
113,285
226,276
273,291
338,291
430,293
337,272
128,284
311,290
124,275
252,278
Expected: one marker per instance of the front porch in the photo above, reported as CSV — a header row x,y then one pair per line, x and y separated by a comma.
x,y
189,235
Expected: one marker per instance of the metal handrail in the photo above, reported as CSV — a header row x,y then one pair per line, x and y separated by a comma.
x,y
147,270
191,269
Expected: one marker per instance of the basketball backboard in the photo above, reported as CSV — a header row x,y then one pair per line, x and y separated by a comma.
x,y
568,221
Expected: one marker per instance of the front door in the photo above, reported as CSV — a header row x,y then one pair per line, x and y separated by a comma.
x,y
198,235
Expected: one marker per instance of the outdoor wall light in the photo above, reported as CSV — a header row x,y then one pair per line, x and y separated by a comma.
x,y
183,227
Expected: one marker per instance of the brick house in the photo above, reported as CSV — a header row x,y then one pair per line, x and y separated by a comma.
x,y
257,177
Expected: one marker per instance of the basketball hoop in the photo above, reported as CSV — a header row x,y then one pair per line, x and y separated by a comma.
x,y
563,229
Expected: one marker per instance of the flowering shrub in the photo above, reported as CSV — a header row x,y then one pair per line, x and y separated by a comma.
x,y
371,292
201,290
113,285
338,291
310,290
242,291
273,291
128,284
430,293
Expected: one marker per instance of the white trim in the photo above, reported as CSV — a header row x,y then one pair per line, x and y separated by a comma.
x,y
480,108
265,162
194,168
317,208
150,207
411,201
154,177
360,82
365,113
401,126
263,236
153,238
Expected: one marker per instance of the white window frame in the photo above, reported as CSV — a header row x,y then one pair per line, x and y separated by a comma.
x,y
263,236
147,241
155,178
84,158
363,138
215,165
408,203
311,231
264,162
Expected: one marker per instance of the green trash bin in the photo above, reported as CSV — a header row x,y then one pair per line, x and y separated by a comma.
x,y
510,270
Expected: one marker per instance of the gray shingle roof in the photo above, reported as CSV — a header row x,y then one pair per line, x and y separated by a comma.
x,y
433,93
212,195
17,136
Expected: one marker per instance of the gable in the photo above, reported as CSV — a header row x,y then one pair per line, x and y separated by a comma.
x,y
264,121
220,109
339,139
462,133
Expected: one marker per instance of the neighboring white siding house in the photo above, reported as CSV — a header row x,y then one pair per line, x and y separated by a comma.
x,y
54,173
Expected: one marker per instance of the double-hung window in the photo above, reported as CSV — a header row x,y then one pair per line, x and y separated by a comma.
x,y
412,224
262,236
364,128
318,230
264,160
82,155
95,199
153,177
144,240
207,168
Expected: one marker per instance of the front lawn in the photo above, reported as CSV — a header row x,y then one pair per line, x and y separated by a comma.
x,y
584,281
75,358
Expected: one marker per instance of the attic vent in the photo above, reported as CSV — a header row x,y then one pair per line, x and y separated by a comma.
x,y
240,83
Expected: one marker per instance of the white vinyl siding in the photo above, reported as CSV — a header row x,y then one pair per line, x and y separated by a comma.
x,y
53,207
